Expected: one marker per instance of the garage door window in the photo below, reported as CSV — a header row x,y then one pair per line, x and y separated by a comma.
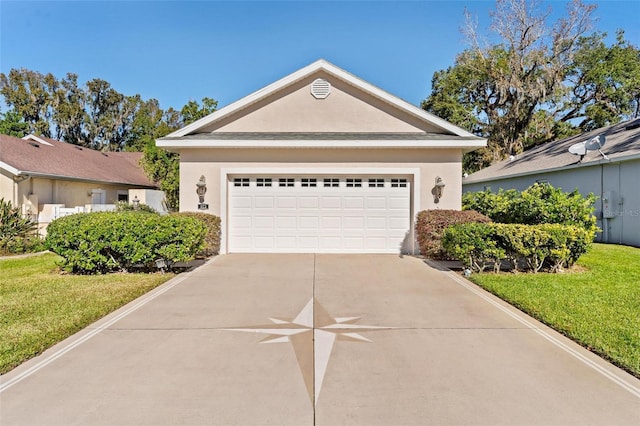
x,y
309,183
398,183
286,182
376,183
263,182
241,182
331,183
354,183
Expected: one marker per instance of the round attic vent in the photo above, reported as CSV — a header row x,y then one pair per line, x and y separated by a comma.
x,y
320,88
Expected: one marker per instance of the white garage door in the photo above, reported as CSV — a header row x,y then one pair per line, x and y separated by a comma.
x,y
317,214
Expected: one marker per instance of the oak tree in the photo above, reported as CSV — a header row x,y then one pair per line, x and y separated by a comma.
x,y
536,81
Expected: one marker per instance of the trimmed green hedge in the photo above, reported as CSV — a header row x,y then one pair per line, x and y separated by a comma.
x,y
212,238
430,224
550,247
539,204
117,241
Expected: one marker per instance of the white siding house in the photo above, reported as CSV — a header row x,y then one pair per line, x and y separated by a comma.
x,y
615,180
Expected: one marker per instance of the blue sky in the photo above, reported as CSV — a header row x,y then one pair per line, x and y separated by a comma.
x,y
175,51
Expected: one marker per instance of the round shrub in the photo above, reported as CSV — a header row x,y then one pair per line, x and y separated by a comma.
x,y
430,224
117,241
212,239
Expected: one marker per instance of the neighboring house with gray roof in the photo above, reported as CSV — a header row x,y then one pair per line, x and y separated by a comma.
x,y
47,178
614,179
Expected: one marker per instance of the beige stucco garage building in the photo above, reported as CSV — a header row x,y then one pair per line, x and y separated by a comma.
x,y
320,161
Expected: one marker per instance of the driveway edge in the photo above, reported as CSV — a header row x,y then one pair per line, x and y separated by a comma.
x,y
617,375
32,365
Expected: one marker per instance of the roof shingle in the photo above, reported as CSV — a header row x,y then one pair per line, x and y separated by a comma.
x,y
622,140
64,160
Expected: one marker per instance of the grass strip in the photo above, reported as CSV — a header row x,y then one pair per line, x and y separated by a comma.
x,y
39,306
597,304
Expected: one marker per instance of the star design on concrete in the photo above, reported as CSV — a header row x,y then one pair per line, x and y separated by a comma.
x,y
312,353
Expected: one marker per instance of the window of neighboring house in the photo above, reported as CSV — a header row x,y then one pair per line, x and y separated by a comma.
x,y
123,196
98,196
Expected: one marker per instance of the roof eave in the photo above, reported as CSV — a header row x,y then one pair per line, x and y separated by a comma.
x,y
17,172
9,168
177,145
552,169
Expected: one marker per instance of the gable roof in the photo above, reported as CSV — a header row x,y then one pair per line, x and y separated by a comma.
x,y
44,157
622,143
185,137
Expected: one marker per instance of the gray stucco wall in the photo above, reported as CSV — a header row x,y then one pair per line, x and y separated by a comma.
x,y
621,180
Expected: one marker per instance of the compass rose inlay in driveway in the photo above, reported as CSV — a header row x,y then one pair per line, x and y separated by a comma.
x,y
312,354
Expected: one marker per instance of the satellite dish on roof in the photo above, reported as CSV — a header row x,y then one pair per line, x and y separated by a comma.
x,y
579,148
593,144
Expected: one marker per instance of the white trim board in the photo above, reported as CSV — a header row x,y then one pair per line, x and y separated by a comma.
x,y
381,171
347,144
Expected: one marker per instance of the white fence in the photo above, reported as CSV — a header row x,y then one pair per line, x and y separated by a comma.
x,y
59,210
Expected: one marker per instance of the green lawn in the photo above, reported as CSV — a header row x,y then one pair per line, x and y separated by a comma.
x,y
39,306
597,304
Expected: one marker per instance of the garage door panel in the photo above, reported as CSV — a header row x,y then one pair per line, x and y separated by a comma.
x,y
331,223
377,203
398,223
242,242
318,219
308,202
397,203
263,202
264,242
353,203
261,222
354,222
310,222
309,242
353,243
242,202
331,202
242,222
286,222
286,242
376,243
330,242
287,202
377,223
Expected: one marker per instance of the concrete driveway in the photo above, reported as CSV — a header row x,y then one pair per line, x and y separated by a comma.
x,y
318,339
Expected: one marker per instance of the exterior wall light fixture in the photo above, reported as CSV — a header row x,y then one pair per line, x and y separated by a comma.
x,y
201,189
438,189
